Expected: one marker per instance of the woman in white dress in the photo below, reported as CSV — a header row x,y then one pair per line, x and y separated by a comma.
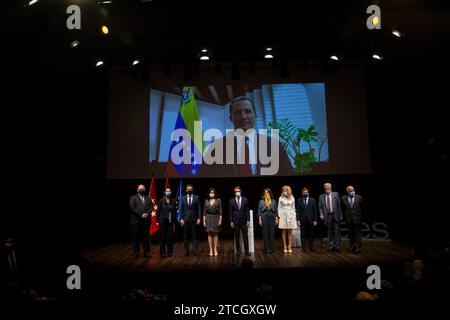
x,y
287,217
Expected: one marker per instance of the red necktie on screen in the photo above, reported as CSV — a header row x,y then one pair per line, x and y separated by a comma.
x,y
246,167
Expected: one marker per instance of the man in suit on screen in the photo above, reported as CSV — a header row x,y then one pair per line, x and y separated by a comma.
x,y
244,154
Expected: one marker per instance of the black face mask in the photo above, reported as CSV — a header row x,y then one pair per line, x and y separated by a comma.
x,y
305,195
141,192
189,192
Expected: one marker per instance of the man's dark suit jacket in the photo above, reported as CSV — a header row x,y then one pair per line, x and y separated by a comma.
x,y
242,215
352,214
235,170
192,212
307,213
138,208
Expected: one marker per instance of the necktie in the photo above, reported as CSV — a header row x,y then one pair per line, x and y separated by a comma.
x,y
142,200
328,204
351,202
190,200
306,200
239,203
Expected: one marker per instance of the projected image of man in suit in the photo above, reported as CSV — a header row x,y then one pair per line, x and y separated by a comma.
x,y
251,153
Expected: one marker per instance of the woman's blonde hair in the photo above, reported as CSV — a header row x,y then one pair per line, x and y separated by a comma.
x,y
288,189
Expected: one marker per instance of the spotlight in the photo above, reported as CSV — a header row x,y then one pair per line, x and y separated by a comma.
x,y
32,2
269,53
335,58
105,30
135,62
204,55
105,2
396,33
74,44
376,56
99,63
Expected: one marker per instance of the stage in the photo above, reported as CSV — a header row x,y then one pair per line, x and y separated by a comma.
x,y
118,257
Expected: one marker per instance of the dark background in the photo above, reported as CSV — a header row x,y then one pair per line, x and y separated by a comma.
x,y
55,196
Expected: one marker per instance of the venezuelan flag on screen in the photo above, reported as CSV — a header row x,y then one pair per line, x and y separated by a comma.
x,y
187,115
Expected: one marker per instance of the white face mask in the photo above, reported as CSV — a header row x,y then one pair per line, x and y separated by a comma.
x,y
211,195
285,193
238,194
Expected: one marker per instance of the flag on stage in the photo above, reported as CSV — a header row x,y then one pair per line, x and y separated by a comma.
x,y
179,195
187,116
152,194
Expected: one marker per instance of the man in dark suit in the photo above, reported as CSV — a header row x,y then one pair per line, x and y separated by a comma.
x,y
330,211
352,203
240,219
244,155
191,214
307,218
141,211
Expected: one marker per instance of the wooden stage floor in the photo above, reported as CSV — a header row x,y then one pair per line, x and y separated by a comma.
x,y
118,257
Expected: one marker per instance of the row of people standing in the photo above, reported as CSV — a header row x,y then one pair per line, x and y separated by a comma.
x,y
286,214
331,209
191,216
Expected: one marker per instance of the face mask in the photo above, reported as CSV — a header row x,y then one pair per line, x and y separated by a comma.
x,y
305,195
141,192
328,191
351,194
189,192
285,193
238,194
168,193
211,195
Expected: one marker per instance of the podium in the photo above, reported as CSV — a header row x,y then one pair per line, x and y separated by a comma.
x,y
251,236
296,238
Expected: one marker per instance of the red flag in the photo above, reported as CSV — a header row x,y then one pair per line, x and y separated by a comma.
x,y
152,194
